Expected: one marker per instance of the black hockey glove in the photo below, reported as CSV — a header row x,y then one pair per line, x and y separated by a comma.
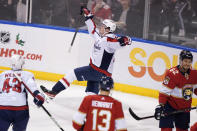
x,y
195,91
51,94
124,40
86,13
38,98
81,129
159,112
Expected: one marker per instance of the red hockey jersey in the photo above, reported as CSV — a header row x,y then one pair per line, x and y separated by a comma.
x,y
194,127
101,113
177,88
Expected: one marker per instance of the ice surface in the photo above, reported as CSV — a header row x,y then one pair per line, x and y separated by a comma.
x,y
67,102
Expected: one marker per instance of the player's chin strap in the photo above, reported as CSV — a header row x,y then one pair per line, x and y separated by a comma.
x,y
26,87
105,33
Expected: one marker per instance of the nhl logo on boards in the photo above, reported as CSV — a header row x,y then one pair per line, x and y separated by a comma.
x,y
4,37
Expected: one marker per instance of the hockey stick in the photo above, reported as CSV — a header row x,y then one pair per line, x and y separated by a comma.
x,y
152,116
26,87
77,28
137,117
73,39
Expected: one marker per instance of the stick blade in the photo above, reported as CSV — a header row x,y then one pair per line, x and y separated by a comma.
x,y
133,114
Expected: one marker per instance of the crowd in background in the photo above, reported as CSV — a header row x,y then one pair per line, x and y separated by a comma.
x,y
175,17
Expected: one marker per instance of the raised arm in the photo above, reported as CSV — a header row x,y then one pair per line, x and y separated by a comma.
x,y
90,23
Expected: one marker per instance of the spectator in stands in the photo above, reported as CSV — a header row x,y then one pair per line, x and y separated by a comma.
x,y
42,11
155,23
66,13
74,13
8,10
129,16
120,16
194,5
60,16
21,11
172,11
101,11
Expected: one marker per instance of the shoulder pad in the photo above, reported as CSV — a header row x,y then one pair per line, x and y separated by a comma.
x,y
173,71
28,73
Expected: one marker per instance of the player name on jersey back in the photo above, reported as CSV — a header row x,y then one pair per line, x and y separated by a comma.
x,y
102,104
7,75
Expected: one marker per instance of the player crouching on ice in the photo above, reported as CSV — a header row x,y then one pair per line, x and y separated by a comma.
x,y
101,60
100,112
14,107
176,94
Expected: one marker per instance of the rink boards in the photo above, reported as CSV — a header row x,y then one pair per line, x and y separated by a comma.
x,y
138,69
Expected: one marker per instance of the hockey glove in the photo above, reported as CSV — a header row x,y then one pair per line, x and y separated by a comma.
x,y
38,98
124,40
195,91
82,128
51,94
159,112
86,13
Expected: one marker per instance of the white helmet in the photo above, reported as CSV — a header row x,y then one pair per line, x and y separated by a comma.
x,y
17,62
111,24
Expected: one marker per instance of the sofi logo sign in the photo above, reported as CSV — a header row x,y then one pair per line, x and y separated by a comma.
x,y
147,63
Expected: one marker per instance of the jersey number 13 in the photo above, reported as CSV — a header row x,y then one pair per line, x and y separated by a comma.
x,y
106,121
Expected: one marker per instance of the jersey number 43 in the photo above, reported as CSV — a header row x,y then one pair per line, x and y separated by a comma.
x,y
11,84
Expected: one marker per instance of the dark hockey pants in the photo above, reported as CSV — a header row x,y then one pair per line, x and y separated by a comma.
x,y
18,119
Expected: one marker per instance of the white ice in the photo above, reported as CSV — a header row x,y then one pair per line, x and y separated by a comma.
x,y
67,102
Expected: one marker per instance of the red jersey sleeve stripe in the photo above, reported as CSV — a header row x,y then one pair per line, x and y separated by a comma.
x,y
112,39
94,27
66,81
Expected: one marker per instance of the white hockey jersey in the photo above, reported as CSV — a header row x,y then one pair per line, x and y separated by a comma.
x,y
102,56
13,95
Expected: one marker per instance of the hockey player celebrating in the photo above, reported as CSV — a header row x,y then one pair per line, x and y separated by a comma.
x,y
102,57
100,112
176,94
13,96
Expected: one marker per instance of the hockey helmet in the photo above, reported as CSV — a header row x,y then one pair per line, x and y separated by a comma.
x,y
186,55
106,83
110,24
17,62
